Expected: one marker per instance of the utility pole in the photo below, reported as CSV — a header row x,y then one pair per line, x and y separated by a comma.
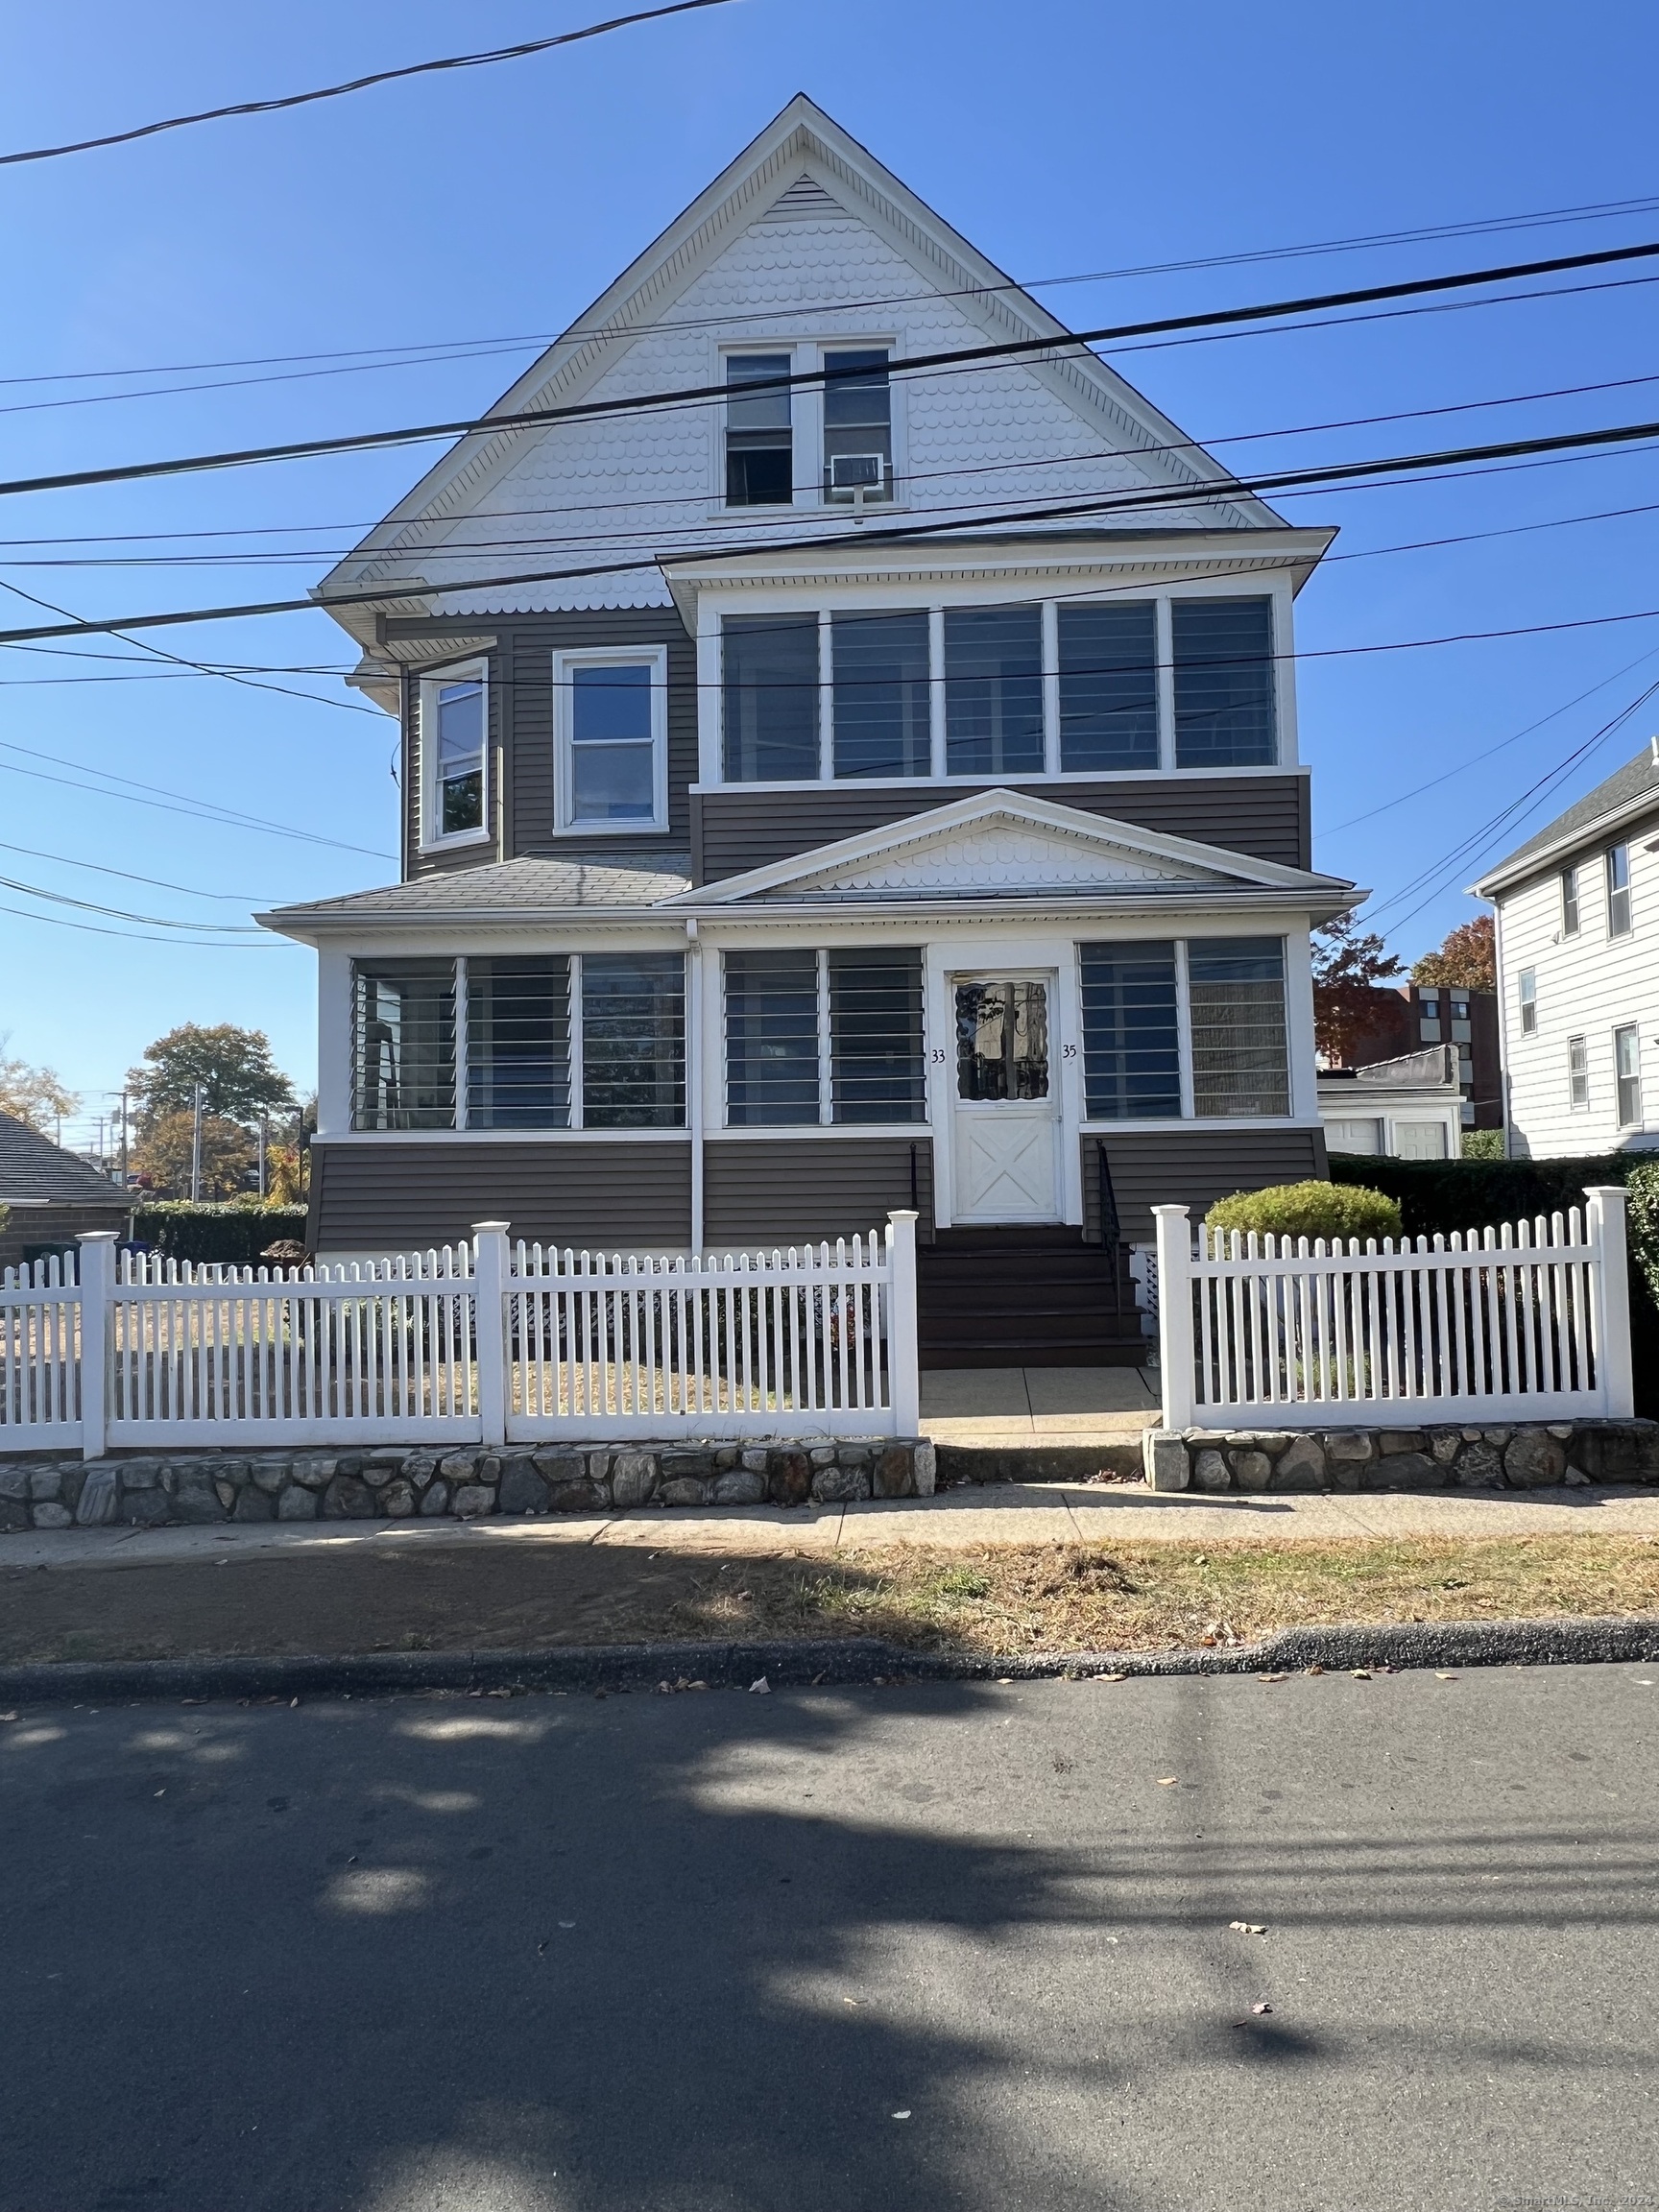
x,y
124,1141
195,1143
264,1139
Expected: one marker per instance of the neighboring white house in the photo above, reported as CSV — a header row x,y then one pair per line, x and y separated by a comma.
x,y
1578,972
1410,1108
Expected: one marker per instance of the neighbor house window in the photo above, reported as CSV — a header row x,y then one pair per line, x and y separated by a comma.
x,y
611,724
403,1045
1429,1020
1569,901
1578,1074
858,425
759,443
881,694
769,689
1618,890
824,1037
454,755
1131,1032
519,1042
1235,994
994,691
1628,1073
1223,655
633,1039
1527,985
1108,687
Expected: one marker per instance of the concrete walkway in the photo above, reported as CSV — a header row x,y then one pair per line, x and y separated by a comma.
x,y
1012,1406
993,1514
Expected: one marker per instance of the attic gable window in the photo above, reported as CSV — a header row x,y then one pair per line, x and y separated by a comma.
x,y
858,425
455,755
760,439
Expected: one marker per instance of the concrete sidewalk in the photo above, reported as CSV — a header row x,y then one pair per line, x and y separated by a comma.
x,y
1010,1514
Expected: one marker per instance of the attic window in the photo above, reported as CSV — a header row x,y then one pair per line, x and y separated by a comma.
x,y
858,426
759,442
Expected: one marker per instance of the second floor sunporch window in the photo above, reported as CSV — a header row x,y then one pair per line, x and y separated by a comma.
x,y
1073,686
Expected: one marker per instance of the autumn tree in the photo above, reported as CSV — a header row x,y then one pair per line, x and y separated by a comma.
x,y
37,1096
1467,960
162,1154
240,1081
1349,964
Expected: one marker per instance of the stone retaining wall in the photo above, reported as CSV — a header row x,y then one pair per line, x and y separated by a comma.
x,y
1528,1456
395,1484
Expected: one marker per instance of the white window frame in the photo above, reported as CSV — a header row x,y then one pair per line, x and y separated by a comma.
x,y
1577,1075
426,738
799,359
1572,901
1527,1000
1617,892
565,822
1636,1121
826,1118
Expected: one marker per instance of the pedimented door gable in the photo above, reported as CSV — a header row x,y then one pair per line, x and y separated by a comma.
x,y
994,856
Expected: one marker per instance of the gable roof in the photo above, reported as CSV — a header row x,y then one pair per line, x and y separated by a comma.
x,y
1629,793
1000,845
802,163
33,1170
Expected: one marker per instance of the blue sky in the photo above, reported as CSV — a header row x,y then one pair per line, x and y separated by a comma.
x,y
1062,137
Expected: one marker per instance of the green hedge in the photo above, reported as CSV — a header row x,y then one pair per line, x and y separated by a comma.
x,y
1441,1195
233,1234
1307,1210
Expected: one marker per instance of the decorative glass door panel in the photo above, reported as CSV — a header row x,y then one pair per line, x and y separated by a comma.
x,y
1005,1150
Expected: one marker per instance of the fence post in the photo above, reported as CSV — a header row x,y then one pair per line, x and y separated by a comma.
x,y
1175,1313
1604,1211
95,1272
490,1266
904,1373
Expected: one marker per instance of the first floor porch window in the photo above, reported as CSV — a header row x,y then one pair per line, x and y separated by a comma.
x,y
1230,994
823,1036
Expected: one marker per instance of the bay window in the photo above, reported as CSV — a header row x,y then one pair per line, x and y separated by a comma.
x,y
454,758
822,1037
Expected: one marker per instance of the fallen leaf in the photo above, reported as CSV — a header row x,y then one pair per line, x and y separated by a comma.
x,y
1210,1641
904,2115
759,1685
1260,2008
161,1792
1247,1927
567,1923
8,1716
855,2001
1167,1780
1316,1669
1360,1674
1108,1677
1445,1678
291,1702
1272,1677
542,1947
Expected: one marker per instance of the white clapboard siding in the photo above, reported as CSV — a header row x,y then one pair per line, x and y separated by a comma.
x,y
730,1343
1588,984
1528,1322
39,1355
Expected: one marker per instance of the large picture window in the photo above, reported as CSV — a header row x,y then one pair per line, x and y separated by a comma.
x,y
824,1037
611,716
994,691
1223,655
770,698
454,758
1131,1032
1236,993
881,694
1108,687
403,1045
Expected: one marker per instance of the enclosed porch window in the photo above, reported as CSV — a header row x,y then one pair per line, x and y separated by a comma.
x,y
824,1037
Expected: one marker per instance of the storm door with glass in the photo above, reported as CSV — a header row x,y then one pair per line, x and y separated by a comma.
x,y
1006,1151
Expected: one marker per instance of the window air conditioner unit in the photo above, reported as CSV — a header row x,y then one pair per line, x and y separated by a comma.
x,y
857,472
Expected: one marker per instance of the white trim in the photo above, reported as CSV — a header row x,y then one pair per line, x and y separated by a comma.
x,y
566,659
430,684
574,1111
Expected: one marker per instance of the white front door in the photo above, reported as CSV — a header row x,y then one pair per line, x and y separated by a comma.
x,y
1006,1152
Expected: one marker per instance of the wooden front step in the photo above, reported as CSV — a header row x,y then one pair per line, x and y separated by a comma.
x,y
1025,1297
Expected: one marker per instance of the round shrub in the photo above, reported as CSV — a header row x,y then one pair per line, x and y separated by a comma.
x,y
1308,1210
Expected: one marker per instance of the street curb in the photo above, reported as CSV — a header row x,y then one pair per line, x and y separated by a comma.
x,y
835,1662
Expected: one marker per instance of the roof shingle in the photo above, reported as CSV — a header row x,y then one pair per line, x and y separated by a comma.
x,y
33,1167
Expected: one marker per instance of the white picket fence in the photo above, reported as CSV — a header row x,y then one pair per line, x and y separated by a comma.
x,y
481,1342
1530,1322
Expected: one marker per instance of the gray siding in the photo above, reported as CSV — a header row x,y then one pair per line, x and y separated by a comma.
x,y
1265,816
522,730
1192,1168
772,1191
400,1197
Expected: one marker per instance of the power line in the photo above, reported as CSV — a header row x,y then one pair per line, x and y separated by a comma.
x,y
914,365
137,937
361,84
120,913
1136,501
157,883
222,818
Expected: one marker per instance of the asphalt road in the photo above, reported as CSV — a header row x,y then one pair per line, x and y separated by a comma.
x,y
839,1950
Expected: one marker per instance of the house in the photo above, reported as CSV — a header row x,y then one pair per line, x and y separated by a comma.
x,y
872,791
1578,972
1407,1017
49,1197
1408,1109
